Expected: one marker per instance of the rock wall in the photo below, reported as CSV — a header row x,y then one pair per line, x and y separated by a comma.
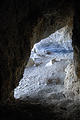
x,y
22,24
76,46
72,84
76,38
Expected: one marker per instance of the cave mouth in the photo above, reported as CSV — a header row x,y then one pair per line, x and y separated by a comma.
x,y
48,76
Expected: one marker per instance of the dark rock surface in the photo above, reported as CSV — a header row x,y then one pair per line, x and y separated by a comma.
x,y
64,110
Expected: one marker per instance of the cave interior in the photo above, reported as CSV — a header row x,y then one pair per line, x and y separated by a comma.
x,y
22,24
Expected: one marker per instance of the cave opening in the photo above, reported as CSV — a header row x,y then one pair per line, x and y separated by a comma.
x,y
48,75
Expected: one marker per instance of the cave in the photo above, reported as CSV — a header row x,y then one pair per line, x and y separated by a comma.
x,y
22,25
49,73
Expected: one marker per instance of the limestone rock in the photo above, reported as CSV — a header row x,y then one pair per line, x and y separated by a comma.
x,y
69,76
53,61
30,62
71,83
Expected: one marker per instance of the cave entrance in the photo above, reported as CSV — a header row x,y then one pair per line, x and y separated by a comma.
x,y
45,74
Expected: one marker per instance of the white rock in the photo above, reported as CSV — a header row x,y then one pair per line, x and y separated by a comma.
x,y
30,63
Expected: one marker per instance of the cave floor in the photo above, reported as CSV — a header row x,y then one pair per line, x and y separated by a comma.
x,y
62,110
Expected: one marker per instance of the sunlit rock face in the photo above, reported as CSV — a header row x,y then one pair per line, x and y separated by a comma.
x,y
71,83
45,79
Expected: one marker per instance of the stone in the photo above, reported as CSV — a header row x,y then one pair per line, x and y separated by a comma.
x,y
30,63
